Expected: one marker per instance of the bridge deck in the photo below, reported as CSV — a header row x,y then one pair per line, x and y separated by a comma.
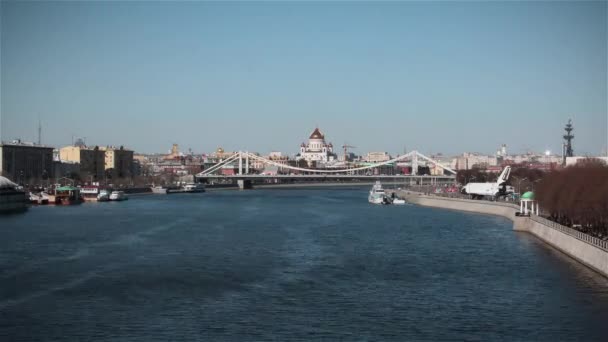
x,y
327,176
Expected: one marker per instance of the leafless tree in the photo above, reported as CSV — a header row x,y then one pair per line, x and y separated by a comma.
x,y
577,196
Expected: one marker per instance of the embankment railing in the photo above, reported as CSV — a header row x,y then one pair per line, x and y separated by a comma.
x,y
601,244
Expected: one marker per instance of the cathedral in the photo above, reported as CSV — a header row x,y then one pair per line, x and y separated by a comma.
x,y
316,149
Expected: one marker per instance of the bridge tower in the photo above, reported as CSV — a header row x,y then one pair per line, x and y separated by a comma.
x,y
414,163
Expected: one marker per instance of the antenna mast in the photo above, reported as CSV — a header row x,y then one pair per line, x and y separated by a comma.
x,y
39,132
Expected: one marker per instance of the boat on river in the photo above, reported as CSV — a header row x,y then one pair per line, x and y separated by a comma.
x,y
39,197
194,187
159,190
118,196
103,195
398,201
67,195
377,195
12,197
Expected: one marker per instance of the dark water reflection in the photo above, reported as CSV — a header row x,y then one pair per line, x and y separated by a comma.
x,y
286,265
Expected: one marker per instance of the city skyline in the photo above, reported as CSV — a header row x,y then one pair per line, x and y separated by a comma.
x,y
434,77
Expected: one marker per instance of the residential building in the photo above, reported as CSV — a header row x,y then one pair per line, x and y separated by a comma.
x,y
118,162
26,163
91,160
65,169
277,157
575,160
377,157
469,161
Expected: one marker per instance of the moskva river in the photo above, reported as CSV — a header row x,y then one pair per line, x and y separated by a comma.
x,y
279,265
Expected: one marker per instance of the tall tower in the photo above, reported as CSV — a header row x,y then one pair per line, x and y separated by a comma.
x,y
567,150
39,133
568,138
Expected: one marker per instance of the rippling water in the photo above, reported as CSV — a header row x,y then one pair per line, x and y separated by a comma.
x,y
278,265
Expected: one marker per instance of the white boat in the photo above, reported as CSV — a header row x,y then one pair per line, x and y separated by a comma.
x,y
398,201
194,187
118,196
12,197
159,190
103,195
377,195
39,198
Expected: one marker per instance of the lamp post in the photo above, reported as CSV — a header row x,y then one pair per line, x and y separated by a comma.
x,y
519,185
534,185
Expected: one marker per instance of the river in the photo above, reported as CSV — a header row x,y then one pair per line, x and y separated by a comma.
x,y
277,265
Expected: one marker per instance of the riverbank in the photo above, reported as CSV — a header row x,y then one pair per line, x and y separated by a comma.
x,y
589,251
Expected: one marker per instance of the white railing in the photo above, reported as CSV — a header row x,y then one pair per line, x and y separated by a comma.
x,y
601,244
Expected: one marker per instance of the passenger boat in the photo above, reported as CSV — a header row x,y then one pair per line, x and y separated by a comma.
x,y
103,195
377,195
118,196
68,195
398,201
194,187
159,190
90,192
12,198
39,198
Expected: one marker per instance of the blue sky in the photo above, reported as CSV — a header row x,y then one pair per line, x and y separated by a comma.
x,y
383,76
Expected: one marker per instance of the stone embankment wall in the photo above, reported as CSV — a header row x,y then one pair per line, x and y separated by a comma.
x,y
588,250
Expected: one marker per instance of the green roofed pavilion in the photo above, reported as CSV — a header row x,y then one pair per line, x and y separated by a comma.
x,y
67,188
529,195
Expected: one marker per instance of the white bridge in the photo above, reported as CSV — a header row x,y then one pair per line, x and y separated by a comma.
x,y
349,173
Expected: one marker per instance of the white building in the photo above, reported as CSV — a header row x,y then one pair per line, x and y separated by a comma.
x,y
502,152
316,149
469,160
377,157
575,160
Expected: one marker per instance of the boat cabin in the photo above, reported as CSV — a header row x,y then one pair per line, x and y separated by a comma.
x,y
67,195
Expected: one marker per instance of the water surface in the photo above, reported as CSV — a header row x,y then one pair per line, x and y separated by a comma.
x,y
278,265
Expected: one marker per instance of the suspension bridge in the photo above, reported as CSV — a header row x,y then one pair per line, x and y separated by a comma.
x,y
242,161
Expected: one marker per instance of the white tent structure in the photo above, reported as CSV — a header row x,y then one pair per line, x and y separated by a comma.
x,y
6,183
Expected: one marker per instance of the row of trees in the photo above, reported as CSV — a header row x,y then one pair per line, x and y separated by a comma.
x,y
577,196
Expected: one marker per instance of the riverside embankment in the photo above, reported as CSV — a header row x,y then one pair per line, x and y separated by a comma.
x,y
584,248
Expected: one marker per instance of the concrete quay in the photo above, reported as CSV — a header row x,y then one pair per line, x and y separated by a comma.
x,y
590,251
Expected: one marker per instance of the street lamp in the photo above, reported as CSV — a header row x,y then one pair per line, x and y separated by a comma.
x,y
519,185
534,185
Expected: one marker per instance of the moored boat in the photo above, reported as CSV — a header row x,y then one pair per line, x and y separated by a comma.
x,y
39,198
159,190
103,195
68,195
398,201
193,187
118,196
12,198
377,195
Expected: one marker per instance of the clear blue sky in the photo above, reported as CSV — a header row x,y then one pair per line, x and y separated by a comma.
x,y
436,76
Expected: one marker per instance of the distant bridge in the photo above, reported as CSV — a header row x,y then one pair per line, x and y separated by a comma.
x,y
244,177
